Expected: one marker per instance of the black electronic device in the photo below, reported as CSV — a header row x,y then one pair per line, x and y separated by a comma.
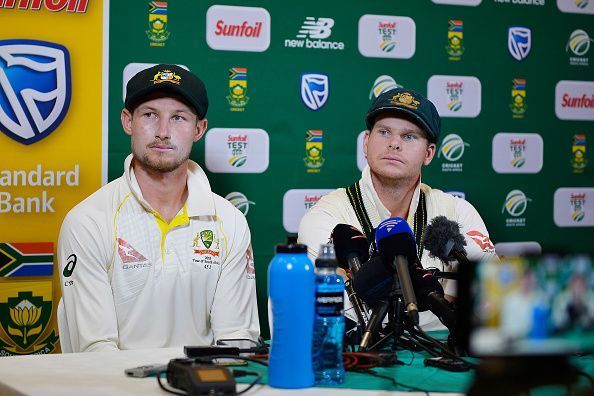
x,y
194,351
146,370
200,379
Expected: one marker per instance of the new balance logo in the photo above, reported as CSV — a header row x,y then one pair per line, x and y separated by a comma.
x,y
317,29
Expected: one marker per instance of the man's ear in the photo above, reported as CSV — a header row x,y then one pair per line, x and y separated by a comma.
x,y
126,118
201,126
365,140
430,153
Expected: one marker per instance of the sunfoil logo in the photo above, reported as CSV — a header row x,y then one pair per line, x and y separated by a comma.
x,y
452,147
516,203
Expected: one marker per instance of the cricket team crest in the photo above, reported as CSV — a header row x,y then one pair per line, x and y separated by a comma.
x,y
166,76
405,99
238,98
26,259
207,236
314,90
517,148
518,104
519,42
455,47
36,84
578,150
313,150
25,312
577,202
157,22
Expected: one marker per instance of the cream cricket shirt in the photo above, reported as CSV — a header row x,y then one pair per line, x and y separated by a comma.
x,y
130,280
335,208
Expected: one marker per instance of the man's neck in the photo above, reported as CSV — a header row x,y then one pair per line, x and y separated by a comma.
x,y
396,195
166,192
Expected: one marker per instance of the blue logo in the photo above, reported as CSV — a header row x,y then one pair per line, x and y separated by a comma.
x,y
35,88
314,90
519,42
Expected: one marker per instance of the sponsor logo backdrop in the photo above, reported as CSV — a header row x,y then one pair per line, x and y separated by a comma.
x,y
50,154
518,114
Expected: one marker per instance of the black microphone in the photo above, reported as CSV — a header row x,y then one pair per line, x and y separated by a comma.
x,y
430,295
380,309
351,248
395,242
373,282
444,241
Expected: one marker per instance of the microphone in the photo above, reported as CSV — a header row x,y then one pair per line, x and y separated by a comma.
x,y
444,241
395,242
379,312
351,247
431,297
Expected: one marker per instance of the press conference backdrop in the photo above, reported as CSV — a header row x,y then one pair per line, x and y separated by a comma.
x,y
289,84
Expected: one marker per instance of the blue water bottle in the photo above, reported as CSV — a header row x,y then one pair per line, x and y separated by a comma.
x,y
291,290
329,320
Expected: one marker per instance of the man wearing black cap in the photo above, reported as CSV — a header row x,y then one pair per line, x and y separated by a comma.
x,y
155,258
403,128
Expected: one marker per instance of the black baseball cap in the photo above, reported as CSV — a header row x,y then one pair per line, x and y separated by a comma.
x,y
411,104
167,78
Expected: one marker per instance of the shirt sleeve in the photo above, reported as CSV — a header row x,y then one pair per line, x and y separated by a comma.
x,y
86,291
478,243
315,229
234,313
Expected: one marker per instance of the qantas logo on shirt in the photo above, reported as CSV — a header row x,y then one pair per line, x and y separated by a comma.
x,y
128,254
483,241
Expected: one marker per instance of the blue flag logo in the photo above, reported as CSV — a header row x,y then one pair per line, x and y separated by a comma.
x,y
519,42
314,90
35,88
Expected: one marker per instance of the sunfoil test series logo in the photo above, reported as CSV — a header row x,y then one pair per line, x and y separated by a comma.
x,y
36,82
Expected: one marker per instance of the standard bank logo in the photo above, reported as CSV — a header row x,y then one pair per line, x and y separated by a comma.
x,y
519,42
36,84
315,89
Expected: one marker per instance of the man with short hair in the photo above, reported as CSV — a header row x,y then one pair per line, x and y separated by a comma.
x,y
403,128
155,258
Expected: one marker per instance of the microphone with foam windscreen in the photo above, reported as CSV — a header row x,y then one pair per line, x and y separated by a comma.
x,y
444,241
430,296
351,249
396,245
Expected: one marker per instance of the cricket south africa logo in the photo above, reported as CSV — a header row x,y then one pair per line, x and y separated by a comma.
x,y
452,149
515,205
240,201
36,85
579,45
382,84
314,90
519,42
